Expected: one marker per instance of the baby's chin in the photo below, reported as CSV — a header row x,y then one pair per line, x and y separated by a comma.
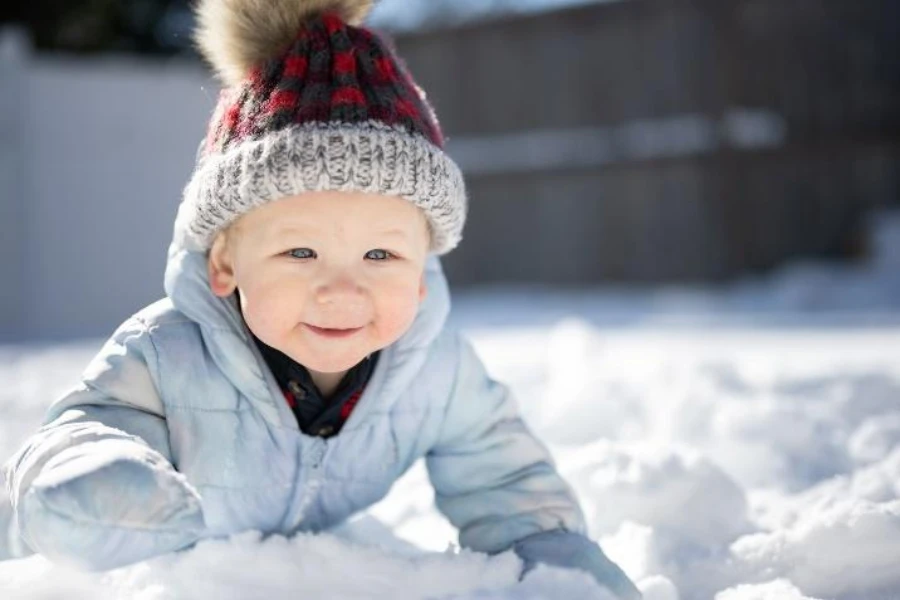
x,y
323,361
332,366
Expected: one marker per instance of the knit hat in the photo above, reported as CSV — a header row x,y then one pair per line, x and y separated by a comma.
x,y
312,102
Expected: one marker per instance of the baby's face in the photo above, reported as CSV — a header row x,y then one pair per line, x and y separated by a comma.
x,y
325,277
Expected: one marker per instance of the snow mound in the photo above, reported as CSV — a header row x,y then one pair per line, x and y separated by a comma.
x,y
847,547
684,497
312,566
773,590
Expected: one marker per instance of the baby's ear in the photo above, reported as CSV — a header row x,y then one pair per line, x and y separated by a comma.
x,y
219,268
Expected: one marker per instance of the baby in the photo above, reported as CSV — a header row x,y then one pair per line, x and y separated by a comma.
x,y
299,363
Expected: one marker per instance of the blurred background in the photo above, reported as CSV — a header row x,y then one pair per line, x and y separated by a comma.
x,y
627,145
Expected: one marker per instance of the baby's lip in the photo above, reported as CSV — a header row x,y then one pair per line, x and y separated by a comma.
x,y
333,332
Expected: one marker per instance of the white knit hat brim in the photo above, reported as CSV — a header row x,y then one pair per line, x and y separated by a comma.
x,y
368,157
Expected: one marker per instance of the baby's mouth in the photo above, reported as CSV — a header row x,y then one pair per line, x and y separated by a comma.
x,y
330,332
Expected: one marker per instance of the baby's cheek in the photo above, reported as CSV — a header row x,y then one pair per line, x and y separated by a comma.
x,y
259,323
397,314
269,316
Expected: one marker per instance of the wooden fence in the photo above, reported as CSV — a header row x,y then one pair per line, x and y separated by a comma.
x,y
660,140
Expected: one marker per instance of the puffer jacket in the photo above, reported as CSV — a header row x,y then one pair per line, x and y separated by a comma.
x,y
178,432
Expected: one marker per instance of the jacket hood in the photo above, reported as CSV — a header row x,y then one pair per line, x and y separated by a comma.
x,y
229,341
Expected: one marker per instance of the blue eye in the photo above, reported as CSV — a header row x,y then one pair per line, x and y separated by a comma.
x,y
302,253
379,255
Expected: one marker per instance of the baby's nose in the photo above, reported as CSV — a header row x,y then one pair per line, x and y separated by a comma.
x,y
339,290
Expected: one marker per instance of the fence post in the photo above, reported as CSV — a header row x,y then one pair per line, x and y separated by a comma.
x,y
14,51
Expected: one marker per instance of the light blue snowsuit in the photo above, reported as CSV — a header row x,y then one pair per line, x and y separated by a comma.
x,y
178,431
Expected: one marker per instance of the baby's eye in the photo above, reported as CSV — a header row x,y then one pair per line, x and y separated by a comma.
x,y
302,253
379,255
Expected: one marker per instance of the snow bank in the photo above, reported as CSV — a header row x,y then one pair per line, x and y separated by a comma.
x,y
684,498
853,546
309,566
773,590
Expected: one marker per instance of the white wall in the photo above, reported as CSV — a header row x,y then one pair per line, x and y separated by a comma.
x,y
94,154
12,56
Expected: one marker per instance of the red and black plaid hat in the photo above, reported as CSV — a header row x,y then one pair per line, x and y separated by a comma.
x,y
313,102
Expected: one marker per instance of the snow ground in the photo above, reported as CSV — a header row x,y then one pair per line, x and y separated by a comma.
x,y
740,443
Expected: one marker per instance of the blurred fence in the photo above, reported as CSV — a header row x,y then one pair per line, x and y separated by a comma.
x,y
667,139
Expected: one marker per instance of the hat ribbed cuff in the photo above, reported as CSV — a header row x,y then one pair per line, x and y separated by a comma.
x,y
369,157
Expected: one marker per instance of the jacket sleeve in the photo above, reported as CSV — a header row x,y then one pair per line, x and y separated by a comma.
x,y
493,479
95,486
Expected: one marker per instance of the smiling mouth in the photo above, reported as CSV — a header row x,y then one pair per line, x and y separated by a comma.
x,y
333,333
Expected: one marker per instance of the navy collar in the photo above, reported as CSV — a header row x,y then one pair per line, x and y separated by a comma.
x,y
317,415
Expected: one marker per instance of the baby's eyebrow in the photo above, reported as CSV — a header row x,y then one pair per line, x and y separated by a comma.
x,y
394,232
284,229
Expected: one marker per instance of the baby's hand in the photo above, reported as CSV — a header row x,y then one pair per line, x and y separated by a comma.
x,y
572,550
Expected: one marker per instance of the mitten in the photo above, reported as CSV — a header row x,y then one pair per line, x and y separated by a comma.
x,y
109,504
571,550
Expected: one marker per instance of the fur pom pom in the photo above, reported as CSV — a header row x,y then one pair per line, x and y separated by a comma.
x,y
236,35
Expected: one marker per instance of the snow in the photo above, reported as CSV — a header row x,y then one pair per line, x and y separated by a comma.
x,y
778,589
735,443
